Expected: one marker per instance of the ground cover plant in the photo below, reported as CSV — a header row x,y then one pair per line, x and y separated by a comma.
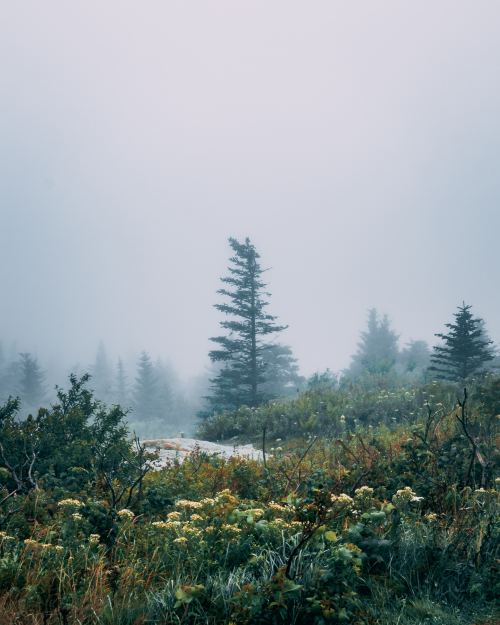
x,y
369,507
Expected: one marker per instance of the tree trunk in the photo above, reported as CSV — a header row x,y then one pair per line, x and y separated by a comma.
x,y
253,354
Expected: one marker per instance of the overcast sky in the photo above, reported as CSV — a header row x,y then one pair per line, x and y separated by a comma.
x,y
356,143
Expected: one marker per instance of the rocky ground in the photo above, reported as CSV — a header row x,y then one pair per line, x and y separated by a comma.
x,y
171,448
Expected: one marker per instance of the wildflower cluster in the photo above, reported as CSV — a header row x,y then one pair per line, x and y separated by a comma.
x,y
342,502
35,545
69,503
189,505
363,498
404,497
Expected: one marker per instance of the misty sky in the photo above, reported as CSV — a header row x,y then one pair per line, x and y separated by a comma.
x,y
357,144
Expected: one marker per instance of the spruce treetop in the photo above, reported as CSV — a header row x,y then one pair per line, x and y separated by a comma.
x,y
465,350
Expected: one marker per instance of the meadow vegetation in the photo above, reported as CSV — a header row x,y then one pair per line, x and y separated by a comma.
x,y
371,507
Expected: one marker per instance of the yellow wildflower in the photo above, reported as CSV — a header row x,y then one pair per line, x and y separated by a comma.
x,y
277,507
342,501
166,524
364,491
69,503
404,496
186,503
255,512
226,497
182,540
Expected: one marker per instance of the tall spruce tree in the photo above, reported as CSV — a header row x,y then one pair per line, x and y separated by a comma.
x,y
241,351
465,350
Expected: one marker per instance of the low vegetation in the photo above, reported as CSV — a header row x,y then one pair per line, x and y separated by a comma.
x,y
373,508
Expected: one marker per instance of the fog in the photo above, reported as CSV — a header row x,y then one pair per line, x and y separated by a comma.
x,y
355,144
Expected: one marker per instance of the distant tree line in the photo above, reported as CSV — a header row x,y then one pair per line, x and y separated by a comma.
x,y
251,366
153,395
464,351
379,360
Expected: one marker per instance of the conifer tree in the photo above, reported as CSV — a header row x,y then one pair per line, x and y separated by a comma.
x,y
241,350
414,359
165,392
465,350
378,348
281,371
146,389
31,382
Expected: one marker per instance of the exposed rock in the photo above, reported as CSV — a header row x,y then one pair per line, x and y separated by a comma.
x,y
172,448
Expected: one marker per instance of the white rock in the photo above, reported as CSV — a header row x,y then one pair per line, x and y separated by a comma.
x,y
172,448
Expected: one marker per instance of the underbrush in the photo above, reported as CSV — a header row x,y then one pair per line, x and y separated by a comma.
x,y
389,525
316,557
332,411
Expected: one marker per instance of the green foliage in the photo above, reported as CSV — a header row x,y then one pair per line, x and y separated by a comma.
x,y
330,409
281,371
466,350
242,351
75,444
353,524
324,381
